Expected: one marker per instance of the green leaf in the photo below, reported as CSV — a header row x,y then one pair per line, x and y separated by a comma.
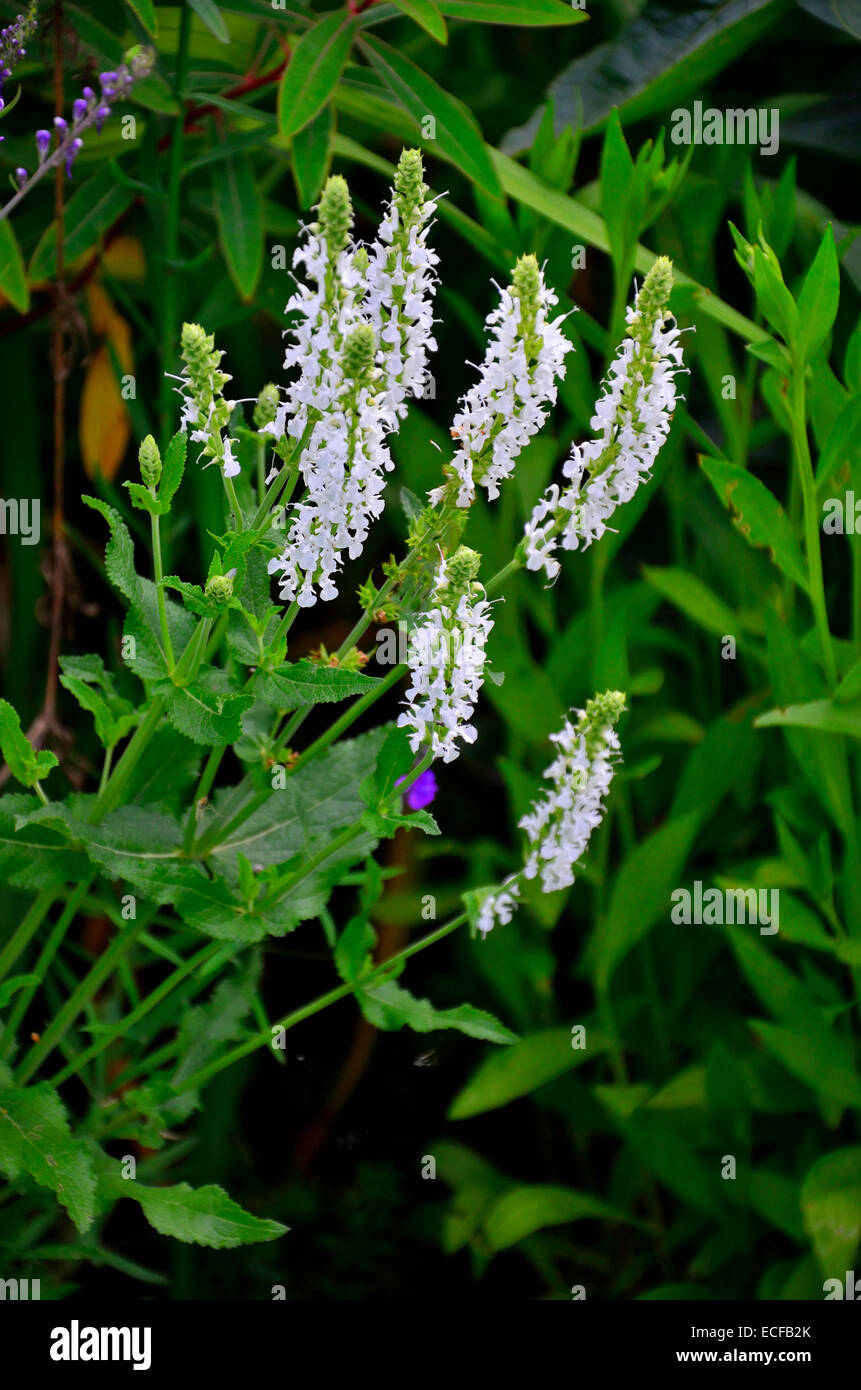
x,y
239,214
25,764
196,1216
825,715
617,189
89,213
819,297
521,1069
389,1006
641,892
206,716
526,1209
308,683
32,858
145,11
210,14
773,297
355,944
173,466
831,1209
758,515
426,14
35,1139
119,551
10,987
533,13
693,598
457,133
830,1074
311,155
13,278
315,66
657,60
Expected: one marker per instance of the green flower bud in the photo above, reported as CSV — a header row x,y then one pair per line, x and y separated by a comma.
x,y
267,405
526,286
601,713
657,285
462,571
359,349
149,459
335,214
219,588
410,187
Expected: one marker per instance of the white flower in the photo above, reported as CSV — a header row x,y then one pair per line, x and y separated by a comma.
x,y
632,418
561,822
559,826
401,283
345,464
508,404
204,407
447,659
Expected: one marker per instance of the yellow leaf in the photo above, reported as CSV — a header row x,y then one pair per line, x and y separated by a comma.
x,y
104,426
124,258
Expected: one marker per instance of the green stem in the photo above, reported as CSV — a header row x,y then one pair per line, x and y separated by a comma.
x,y
315,1006
159,589
40,969
77,1001
811,523
110,795
140,1011
26,929
232,499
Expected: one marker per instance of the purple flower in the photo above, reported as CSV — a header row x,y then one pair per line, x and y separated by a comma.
x,y
79,109
43,143
89,94
21,175
61,126
76,145
422,791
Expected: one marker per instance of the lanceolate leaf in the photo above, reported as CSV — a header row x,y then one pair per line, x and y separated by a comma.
x,y
455,129
311,153
314,68
758,515
530,12
239,212
197,1216
13,277
427,14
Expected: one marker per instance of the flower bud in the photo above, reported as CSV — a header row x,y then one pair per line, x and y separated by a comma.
x,y
267,405
149,459
359,351
335,213
219,588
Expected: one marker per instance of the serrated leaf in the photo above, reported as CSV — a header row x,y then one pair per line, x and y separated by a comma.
x,y
119,551
307,682
315,66
197,1216
35,1139
172,468
204,715
25,764
390,1006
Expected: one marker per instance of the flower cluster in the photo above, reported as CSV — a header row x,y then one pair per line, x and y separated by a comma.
x,y
633,417
344,466
400,286
447,659
203,403
508,404
560,824
12,41
360,344
88,110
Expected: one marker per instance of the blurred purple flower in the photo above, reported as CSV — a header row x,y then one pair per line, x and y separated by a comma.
x,y
422,791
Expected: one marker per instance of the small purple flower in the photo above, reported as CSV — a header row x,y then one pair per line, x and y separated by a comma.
x,y
422,791
79,109
89,94
74,147
101,115
43,143
21,175
61,126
